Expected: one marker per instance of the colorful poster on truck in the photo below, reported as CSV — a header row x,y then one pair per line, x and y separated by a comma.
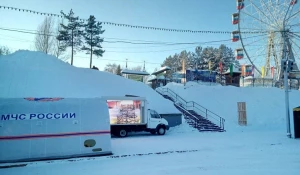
x,y
124,111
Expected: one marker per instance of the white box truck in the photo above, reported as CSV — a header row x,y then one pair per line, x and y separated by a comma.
x,y
130,114
51,128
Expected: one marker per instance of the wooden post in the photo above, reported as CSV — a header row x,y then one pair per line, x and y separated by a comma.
x,y
242,118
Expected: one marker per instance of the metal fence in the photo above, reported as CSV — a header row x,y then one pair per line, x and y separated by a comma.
x,y
268,82
250,82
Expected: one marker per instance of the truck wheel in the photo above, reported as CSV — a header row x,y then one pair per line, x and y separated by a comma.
x,y
153,131
161,130
122,133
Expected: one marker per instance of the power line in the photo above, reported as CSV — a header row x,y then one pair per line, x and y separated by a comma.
x,y
123,39
141,47
122,60
129,25
152,51
118,41
156,51
141,43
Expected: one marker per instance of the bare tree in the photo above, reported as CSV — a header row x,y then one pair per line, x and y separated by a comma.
x,y
137,68
44,37
112,68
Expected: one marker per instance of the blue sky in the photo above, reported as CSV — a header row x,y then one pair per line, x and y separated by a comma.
x,y
177,14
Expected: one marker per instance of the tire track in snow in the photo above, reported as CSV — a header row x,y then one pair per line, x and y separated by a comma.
x,y
94,158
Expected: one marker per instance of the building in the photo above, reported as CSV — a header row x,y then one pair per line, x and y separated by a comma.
x,y
159,78
134,74
234,78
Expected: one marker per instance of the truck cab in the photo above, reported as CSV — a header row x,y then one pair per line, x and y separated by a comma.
x,y
156,123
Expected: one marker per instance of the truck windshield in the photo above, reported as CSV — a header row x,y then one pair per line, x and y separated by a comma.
x,y
154,114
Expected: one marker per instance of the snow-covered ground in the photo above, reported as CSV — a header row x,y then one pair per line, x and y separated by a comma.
x,y
259,148
183,151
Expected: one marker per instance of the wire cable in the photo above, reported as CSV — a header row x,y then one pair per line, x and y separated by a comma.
x,y
129,25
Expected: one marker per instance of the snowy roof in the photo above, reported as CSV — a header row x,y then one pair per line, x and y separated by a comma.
x,y
151,79
158,78
162,69
134,72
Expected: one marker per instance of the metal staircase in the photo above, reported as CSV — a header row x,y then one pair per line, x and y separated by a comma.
x,y
195,115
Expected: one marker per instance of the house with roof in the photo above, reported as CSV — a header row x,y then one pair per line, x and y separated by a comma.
x,y
159,78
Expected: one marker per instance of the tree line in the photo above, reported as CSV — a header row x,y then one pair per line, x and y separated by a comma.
x,y
200,58
75,34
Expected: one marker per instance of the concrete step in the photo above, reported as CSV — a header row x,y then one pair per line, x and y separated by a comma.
x,y
209,130
203,125
207,125
212,128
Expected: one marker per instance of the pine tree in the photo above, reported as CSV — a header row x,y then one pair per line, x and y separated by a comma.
x,y
197,59
226,56
118,71
209,54
170,62
92,38
4,50
70,35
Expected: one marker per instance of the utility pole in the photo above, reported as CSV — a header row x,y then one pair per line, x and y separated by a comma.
x,y
184,70
286,66
287,108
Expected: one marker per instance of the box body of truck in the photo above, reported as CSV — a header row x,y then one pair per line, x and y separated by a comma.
x,y
52,128
131,114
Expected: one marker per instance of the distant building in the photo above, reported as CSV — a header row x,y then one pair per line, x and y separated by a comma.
x,y
178,77
134,74
233,80
201,75
159,78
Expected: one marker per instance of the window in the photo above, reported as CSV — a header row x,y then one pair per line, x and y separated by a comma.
x,y
154,114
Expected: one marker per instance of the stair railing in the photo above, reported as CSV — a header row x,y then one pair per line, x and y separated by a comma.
x,y
191,105
191,116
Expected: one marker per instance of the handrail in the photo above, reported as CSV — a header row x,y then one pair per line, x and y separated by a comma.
x,y
177,96
195,118
207,109
198,107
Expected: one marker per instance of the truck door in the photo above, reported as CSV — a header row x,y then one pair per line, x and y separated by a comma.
x,y
154,119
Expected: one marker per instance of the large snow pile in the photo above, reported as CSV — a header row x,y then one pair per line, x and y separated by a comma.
x,y
265,106
35,74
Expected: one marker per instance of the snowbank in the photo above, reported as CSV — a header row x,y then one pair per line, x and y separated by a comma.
x,y
265,106
35,74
